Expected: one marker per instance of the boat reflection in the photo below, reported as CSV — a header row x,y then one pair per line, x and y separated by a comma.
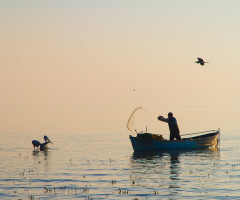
x,y
169,168
175,167
211,152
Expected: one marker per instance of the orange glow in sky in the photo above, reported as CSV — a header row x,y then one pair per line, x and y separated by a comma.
x,y
118,54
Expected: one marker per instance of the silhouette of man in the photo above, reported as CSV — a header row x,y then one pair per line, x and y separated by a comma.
x,y
173,126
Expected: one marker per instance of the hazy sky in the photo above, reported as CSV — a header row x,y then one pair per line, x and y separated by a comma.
x,y
90,54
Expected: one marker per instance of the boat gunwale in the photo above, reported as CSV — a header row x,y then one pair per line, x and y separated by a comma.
x,y
195,138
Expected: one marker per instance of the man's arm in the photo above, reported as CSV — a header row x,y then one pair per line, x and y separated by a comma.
x,y
161,118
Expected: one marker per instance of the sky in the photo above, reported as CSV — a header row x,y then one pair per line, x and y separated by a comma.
x,y
118,54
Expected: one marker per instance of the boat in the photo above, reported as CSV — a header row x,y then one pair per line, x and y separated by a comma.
x,y
153,142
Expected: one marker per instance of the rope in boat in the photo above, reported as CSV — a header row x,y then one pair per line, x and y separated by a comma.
x,y
198,132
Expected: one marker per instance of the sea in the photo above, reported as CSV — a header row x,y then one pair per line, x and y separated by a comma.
x,y
91,156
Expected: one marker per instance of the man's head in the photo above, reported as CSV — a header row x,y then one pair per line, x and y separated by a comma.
x,y
170,114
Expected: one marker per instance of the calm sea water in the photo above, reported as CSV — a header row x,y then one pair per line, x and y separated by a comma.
x,y
102,165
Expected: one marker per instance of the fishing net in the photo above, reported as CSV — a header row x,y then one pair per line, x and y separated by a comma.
x,y
131,120
145,121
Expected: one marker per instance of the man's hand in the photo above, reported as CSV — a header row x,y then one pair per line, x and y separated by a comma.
x,y
160,117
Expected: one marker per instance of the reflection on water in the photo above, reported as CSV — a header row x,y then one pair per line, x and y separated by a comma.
x,y
36,153
41,158
39,155
175,167
172,169
85,164
156,154
105,167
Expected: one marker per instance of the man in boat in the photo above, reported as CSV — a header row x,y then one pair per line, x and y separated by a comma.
x,y
173,126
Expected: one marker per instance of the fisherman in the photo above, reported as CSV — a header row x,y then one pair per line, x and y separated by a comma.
x,y
173,126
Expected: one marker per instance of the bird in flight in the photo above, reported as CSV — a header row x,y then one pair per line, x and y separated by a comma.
x,y
201,61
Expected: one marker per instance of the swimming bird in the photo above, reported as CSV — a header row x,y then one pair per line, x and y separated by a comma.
x,y
43,146
201,61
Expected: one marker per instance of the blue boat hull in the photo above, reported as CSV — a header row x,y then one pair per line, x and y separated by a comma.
x,y
198,142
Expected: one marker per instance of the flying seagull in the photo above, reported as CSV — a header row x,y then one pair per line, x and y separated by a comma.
x,y
201,61
43,146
